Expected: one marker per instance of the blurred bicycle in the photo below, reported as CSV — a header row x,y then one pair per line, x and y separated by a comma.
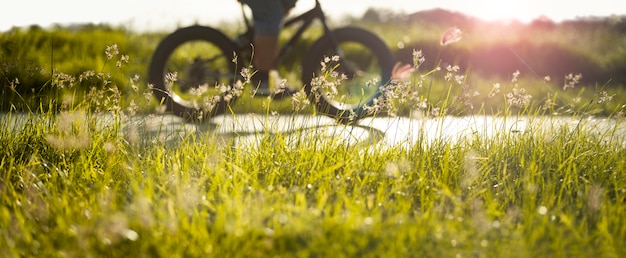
x,y
207,64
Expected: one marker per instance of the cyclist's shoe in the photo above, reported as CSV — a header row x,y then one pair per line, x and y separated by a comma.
x,y
283,91
277,92
261,81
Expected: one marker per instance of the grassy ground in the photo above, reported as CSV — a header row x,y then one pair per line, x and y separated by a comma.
x,y
71,188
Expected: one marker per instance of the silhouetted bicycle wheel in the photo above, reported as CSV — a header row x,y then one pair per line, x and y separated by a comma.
x,y
363,58
192,72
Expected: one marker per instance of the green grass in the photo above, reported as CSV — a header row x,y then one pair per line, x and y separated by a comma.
x,y
558,194
106,183
84,177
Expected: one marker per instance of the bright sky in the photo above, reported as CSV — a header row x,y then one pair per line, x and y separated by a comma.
x,y
161,14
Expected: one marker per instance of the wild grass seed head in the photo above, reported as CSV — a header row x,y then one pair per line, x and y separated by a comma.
x,y
13,84
329,79
418,58
495,89
515,76
63,80
571,80
123,60
111,51
518,97
246,73
299,101
603,96
171,78
466,96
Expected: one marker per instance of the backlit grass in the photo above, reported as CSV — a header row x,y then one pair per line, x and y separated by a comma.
x,y
92,179
101,192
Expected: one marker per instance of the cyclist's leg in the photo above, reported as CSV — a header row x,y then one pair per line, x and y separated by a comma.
x,y
268,17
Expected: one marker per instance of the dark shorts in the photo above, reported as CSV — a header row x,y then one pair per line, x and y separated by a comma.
x,y
268,14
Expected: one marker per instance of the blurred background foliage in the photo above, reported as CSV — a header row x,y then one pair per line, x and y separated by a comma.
x,y
489,51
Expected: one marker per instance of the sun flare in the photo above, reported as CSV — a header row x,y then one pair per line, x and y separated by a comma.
x,y
504,10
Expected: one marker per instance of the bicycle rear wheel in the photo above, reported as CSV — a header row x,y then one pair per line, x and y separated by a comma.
x,y
192,72
364,60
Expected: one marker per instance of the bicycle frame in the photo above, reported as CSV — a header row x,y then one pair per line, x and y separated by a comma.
x,y
305,18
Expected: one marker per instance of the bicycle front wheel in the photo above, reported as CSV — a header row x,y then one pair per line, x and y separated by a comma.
x,y
344,70
192,72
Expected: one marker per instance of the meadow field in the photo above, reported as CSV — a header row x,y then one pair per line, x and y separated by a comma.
x,y
70,187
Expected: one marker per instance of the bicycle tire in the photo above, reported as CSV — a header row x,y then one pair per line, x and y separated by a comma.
x,y
378,55
219,45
